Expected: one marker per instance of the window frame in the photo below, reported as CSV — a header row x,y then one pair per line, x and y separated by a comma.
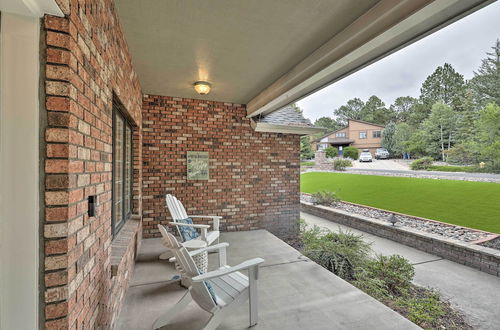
x,y
378,136
365,134
116,226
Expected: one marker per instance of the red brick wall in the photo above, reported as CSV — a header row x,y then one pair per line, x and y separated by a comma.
x,y
87,61
254,177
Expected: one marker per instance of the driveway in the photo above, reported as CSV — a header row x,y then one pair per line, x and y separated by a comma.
x,y
381,164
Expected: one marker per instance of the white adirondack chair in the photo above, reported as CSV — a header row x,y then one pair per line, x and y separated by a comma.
x,y
230,287
178,212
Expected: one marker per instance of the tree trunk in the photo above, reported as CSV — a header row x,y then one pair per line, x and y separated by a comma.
x,y
442,142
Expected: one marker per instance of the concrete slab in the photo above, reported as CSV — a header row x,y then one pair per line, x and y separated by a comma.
x,y
295,293
471,291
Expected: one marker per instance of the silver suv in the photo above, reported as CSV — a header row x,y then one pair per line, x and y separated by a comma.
x,y
381,153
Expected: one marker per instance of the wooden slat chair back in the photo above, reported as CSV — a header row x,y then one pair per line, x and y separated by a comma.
x,y
218,291
187,267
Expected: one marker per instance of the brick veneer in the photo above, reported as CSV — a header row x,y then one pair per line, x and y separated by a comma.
x,y
254,177
87,61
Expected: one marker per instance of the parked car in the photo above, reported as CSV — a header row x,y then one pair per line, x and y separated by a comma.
x,y
365,156
381,153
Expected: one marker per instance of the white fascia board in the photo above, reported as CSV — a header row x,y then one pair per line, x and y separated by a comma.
x,y
284,129
314,73
32,8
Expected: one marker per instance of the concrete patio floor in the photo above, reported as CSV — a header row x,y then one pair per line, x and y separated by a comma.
x,y
294,292
469,290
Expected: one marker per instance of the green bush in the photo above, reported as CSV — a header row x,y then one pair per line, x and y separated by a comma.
x,y
331,152
421,164
341,164
341,253
394,272
425,309
351,152
325,197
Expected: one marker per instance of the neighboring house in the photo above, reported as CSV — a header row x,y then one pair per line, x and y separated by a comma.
x,y
359,134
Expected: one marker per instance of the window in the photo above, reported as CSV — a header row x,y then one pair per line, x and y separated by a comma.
x,y
322,146
362,135
340,134
377,134
122,170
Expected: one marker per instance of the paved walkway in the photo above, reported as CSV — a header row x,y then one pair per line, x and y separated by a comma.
x,y
381,164
475,293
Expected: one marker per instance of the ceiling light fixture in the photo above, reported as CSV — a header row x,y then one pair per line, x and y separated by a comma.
x,y
202,87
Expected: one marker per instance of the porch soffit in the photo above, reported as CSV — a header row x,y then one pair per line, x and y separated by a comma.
x,y
267,54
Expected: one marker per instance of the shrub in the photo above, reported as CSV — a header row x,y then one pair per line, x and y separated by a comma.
x,y
421,164
331,152
394,272
425,309
341,253
351,152
325,197
341,164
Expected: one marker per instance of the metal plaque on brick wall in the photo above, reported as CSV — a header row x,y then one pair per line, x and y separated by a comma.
x,y
197,165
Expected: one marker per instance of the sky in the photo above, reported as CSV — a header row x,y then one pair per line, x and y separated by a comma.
x,y
462,44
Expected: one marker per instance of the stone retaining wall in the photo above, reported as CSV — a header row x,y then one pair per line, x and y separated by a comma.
x,y
470,254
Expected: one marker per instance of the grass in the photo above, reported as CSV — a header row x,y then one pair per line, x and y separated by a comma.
x,y
306,163
463,203
445,168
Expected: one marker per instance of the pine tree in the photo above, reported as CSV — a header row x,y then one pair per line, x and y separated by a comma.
x,y
486,81
443,85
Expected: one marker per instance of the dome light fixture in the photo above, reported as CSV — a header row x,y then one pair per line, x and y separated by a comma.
x,y
202,87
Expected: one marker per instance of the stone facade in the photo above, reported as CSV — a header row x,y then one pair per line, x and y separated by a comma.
x,y
254,177
470,254
87,62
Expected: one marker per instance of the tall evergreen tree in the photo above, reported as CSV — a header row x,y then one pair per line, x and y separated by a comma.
x,y
443,85
486,81
374,111
328,123
388,141
402,108
441,128
352,110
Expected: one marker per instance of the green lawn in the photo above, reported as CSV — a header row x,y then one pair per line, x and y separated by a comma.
x,y
464,203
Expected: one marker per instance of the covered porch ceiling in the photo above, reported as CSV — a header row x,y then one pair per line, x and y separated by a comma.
x,y
267,54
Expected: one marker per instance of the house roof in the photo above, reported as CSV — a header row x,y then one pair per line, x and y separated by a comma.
x,y
286,120
366,122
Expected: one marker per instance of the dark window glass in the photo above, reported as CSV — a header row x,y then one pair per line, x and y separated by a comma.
x,y
122,170
377,134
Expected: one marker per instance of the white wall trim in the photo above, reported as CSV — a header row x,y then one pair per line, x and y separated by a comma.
x,y
34,8
19,171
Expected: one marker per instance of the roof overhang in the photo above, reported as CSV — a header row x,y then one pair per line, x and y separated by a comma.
x,y
285,129
267,54
387,27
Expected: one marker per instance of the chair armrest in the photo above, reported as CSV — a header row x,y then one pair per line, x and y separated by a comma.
x,y
209,248
189,225
224,271
215,218
221,249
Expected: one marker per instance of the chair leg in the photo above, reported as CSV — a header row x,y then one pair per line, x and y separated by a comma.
x,y
166,255
252,296
166,317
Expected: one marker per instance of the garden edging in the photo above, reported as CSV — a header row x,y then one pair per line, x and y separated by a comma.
x,y
482,258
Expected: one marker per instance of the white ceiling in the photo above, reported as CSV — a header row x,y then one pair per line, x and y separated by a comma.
x,y
241,47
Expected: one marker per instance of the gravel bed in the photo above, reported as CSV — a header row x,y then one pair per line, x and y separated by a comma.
x,y
441,229
494,243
